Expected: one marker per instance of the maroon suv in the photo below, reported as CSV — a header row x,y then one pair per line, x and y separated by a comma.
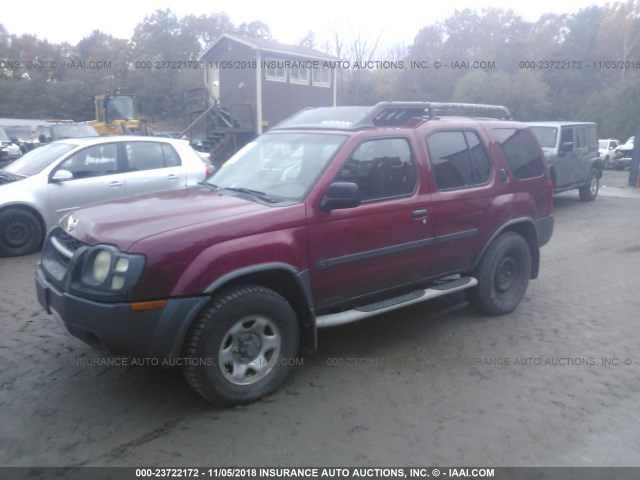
x,y
335,215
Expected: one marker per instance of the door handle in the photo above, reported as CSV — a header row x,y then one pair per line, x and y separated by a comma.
x,y
115,183
172,177
421,212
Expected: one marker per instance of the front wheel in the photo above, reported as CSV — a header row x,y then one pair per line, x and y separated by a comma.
x,y
503,275
242,346
589,192
21,232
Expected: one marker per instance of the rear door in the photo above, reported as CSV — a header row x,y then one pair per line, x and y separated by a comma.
x,y
566,169
464,188
96,178
151,167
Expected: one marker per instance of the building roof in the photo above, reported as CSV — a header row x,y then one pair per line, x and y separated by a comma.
x,y
270,46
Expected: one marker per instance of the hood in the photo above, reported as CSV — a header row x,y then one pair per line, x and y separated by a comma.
x,y
129,220
6,177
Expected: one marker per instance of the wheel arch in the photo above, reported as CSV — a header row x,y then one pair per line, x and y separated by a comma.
x,y
28,208
527,230
32,210
293,285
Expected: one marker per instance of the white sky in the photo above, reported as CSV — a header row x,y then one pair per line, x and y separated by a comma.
x,y
396,21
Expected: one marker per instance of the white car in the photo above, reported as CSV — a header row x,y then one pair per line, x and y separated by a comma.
x,y
44,184
8,150
606,147
623,155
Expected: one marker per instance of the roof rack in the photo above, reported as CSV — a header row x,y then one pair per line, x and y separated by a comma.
x,y
396,113
387,114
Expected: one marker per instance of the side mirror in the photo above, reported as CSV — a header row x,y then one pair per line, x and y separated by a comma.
x,y
340,195
566,147
61,176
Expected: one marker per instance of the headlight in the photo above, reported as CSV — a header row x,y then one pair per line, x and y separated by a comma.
x,y
101,266
106,269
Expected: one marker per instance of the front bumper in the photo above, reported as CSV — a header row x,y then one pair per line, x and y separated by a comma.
x,y
115,328
621,162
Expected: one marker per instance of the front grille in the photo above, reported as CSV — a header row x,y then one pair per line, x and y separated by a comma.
x,y
70,242
58,252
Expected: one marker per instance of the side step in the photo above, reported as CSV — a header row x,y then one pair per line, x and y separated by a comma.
x,y
365,311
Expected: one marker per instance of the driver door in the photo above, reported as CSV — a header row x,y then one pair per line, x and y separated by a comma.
x,y
96,178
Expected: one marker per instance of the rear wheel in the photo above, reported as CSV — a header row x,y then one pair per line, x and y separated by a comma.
x,y
589,192
21,232
503,275
241,347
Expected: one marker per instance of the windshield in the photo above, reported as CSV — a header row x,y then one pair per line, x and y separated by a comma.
x,y
119,108
73,131
280,166
37,160
18,132
3,135
546,136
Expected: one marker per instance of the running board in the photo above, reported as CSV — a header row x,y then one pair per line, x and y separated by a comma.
x,y
365,311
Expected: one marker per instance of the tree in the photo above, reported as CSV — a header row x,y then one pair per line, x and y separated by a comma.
x,y
309,40
571,80
619,37
615,110
255,29
523,92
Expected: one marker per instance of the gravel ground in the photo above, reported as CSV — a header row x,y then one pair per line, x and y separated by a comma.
x,y
556,383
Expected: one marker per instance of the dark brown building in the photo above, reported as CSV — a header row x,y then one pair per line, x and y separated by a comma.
x,y
261,82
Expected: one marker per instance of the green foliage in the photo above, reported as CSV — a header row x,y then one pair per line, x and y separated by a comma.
x,y
615,110
523,92
499,37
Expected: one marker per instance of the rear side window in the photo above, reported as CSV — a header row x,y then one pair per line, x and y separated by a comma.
x,y
150,155
520,151
581,135
459,159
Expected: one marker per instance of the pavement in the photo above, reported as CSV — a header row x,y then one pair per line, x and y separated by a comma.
x,y
555,383
615,183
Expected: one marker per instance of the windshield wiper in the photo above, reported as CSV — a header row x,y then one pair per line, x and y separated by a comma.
x,y
6,177
256,193
210,185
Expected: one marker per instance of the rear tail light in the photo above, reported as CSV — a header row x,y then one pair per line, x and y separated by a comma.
x,y
550,197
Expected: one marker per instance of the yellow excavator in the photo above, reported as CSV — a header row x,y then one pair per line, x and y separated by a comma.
x,y
116,115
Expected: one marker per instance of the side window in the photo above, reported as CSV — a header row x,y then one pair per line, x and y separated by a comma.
x,y
592,138
144,155
171,157
581,135
92,161
520,151
382,168
479,158
459,159
567,135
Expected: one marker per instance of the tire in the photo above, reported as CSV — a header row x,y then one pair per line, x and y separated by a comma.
x,y
503,275
239,349
589,192
21,232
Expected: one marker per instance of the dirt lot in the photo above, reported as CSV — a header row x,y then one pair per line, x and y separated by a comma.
x,y
554,384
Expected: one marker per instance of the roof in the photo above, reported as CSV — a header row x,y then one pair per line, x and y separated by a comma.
x,y
562,123
385,114
84,141
270,46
